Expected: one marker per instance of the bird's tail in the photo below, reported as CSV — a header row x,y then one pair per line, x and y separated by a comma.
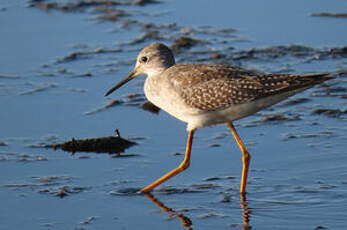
x,y
316,78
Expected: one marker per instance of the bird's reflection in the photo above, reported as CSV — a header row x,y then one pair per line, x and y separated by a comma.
x,y
186,221
246,212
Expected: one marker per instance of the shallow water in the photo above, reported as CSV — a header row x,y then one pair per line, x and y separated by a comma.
x,y
56,66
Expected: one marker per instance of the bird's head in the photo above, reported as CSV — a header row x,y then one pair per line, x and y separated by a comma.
x,y
152,60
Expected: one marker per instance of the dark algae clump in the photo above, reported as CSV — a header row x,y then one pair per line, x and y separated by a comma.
x,y
111,144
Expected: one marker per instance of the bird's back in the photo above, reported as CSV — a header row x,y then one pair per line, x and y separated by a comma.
x,y
210,87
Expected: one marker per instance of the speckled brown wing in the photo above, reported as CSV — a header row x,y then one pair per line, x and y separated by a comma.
x,y
212,87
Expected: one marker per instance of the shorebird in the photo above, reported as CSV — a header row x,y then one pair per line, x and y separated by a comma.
x,y
206,94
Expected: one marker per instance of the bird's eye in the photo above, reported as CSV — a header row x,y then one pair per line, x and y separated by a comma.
x,y
144,59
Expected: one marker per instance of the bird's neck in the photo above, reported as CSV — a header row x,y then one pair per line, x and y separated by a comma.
x,y
155,72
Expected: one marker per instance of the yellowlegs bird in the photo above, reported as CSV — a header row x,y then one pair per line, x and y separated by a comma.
x,y
205,94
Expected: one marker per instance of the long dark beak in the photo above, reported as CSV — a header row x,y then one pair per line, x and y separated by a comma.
x,y
130,76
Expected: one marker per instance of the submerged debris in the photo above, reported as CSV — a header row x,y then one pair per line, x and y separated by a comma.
x,y
274,52
40,88
330,15
111,144
321,134
52,185
172,190
203,186
81,5
3,76
113,15
108,105
338,51
214,145
329,112
79,55
144,2
89,220
294,50
63,191
213,178
149,35
294,101
184,42
274,118
279,117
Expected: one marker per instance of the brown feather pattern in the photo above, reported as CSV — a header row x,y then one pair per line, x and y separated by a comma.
x,y
214,86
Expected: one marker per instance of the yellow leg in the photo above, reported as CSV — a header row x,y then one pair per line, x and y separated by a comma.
x,y
246,158
184,165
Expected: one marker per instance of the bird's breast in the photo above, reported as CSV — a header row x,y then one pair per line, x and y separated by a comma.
x,y
161,93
